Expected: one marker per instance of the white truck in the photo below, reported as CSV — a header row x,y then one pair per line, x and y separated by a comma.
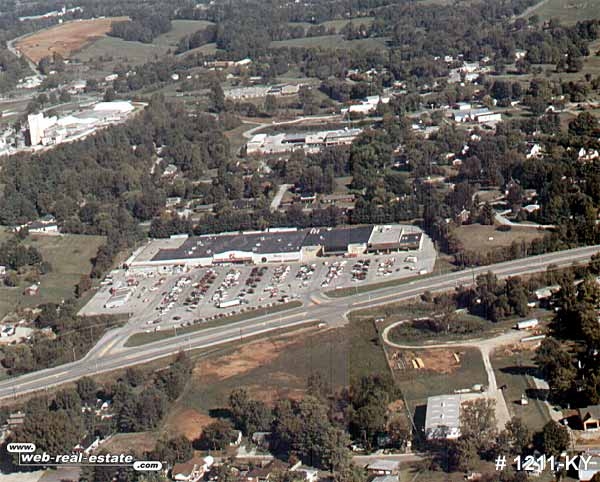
x,y
527,324
230,303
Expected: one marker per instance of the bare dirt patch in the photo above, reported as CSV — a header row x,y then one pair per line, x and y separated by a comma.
x,y
515,349
187,422
440,361
245,359
270,394
66,38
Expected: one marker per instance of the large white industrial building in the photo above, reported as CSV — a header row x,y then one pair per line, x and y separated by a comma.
x,y
54,130
275,246
306,141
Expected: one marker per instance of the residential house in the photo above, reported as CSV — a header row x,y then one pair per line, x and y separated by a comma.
x,y
237,439
32,290
172,201
87,444
192,470
7,330
590,417
383,467
45,225
261,438
589,155
309,474
535,151
15,420
266,472
170,171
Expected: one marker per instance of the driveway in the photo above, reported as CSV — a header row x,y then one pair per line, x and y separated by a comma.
x,y
485,347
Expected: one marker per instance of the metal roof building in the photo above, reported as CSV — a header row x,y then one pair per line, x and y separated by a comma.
x,y
442,419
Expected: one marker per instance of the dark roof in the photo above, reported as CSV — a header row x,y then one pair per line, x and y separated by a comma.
x,y
294,138
338,239
207,246
332,239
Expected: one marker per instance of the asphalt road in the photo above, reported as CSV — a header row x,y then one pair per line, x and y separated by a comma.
x,y
110,352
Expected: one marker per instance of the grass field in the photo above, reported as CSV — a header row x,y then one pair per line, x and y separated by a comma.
x,y
179,29
70,256
120,50
333,42
567,11
480,238
207,49
276,367
64,39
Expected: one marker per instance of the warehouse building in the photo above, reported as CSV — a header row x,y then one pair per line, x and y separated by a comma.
x,y
275,245
442,419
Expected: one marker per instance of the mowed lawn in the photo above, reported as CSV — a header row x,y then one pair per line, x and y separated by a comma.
x,y
70,256
480,238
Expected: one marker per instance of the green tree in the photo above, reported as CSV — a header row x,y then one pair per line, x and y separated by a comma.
x,y
67,399
478,421
174,450
216,436
554,438
87,389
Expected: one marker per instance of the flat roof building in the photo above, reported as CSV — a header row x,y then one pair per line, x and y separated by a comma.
x,y
442,420
339,240
411,241
307,141
273,245
385,238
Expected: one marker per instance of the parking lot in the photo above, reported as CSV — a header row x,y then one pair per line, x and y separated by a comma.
x,y
185,295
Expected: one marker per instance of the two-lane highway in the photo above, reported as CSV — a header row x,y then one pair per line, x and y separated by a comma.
x,y
111,353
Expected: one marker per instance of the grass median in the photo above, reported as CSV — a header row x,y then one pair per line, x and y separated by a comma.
x,y
143,338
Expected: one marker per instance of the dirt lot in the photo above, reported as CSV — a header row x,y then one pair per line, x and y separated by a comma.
x,y
65,39
187,422
247,358
437,361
